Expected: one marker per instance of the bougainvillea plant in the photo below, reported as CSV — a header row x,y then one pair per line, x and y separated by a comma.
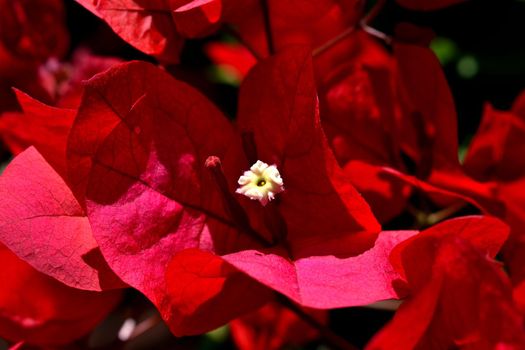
x,y
251,174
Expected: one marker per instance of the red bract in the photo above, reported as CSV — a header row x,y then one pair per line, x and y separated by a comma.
x,y
278,106
360,112
453,189
95,119
406,102
204,292
427,5
326,281
513,194
44,225
39,310
356,80
288,104
495,156
484,233
519,296
273,327
358,103
427,134
157,198
397,106
495,171
494,153
386,193
145,24
459,296
430,123
159,27
38,125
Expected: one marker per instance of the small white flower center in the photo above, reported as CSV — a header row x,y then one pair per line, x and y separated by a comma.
x,y
262,182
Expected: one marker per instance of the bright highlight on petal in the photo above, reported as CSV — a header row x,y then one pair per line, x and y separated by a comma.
x,y
262,182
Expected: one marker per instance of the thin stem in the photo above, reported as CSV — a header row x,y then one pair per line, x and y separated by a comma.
x,y
319,50
385,305
376,33
443,214
372,14
145,326
267,25
364,24
424,219
326,333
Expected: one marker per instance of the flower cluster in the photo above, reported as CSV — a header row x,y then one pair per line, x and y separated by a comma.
x,y
127,180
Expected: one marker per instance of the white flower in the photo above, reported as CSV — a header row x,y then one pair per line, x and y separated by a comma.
x,y
262,182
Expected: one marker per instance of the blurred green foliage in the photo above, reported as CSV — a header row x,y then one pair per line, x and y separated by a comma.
x,y
445,49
